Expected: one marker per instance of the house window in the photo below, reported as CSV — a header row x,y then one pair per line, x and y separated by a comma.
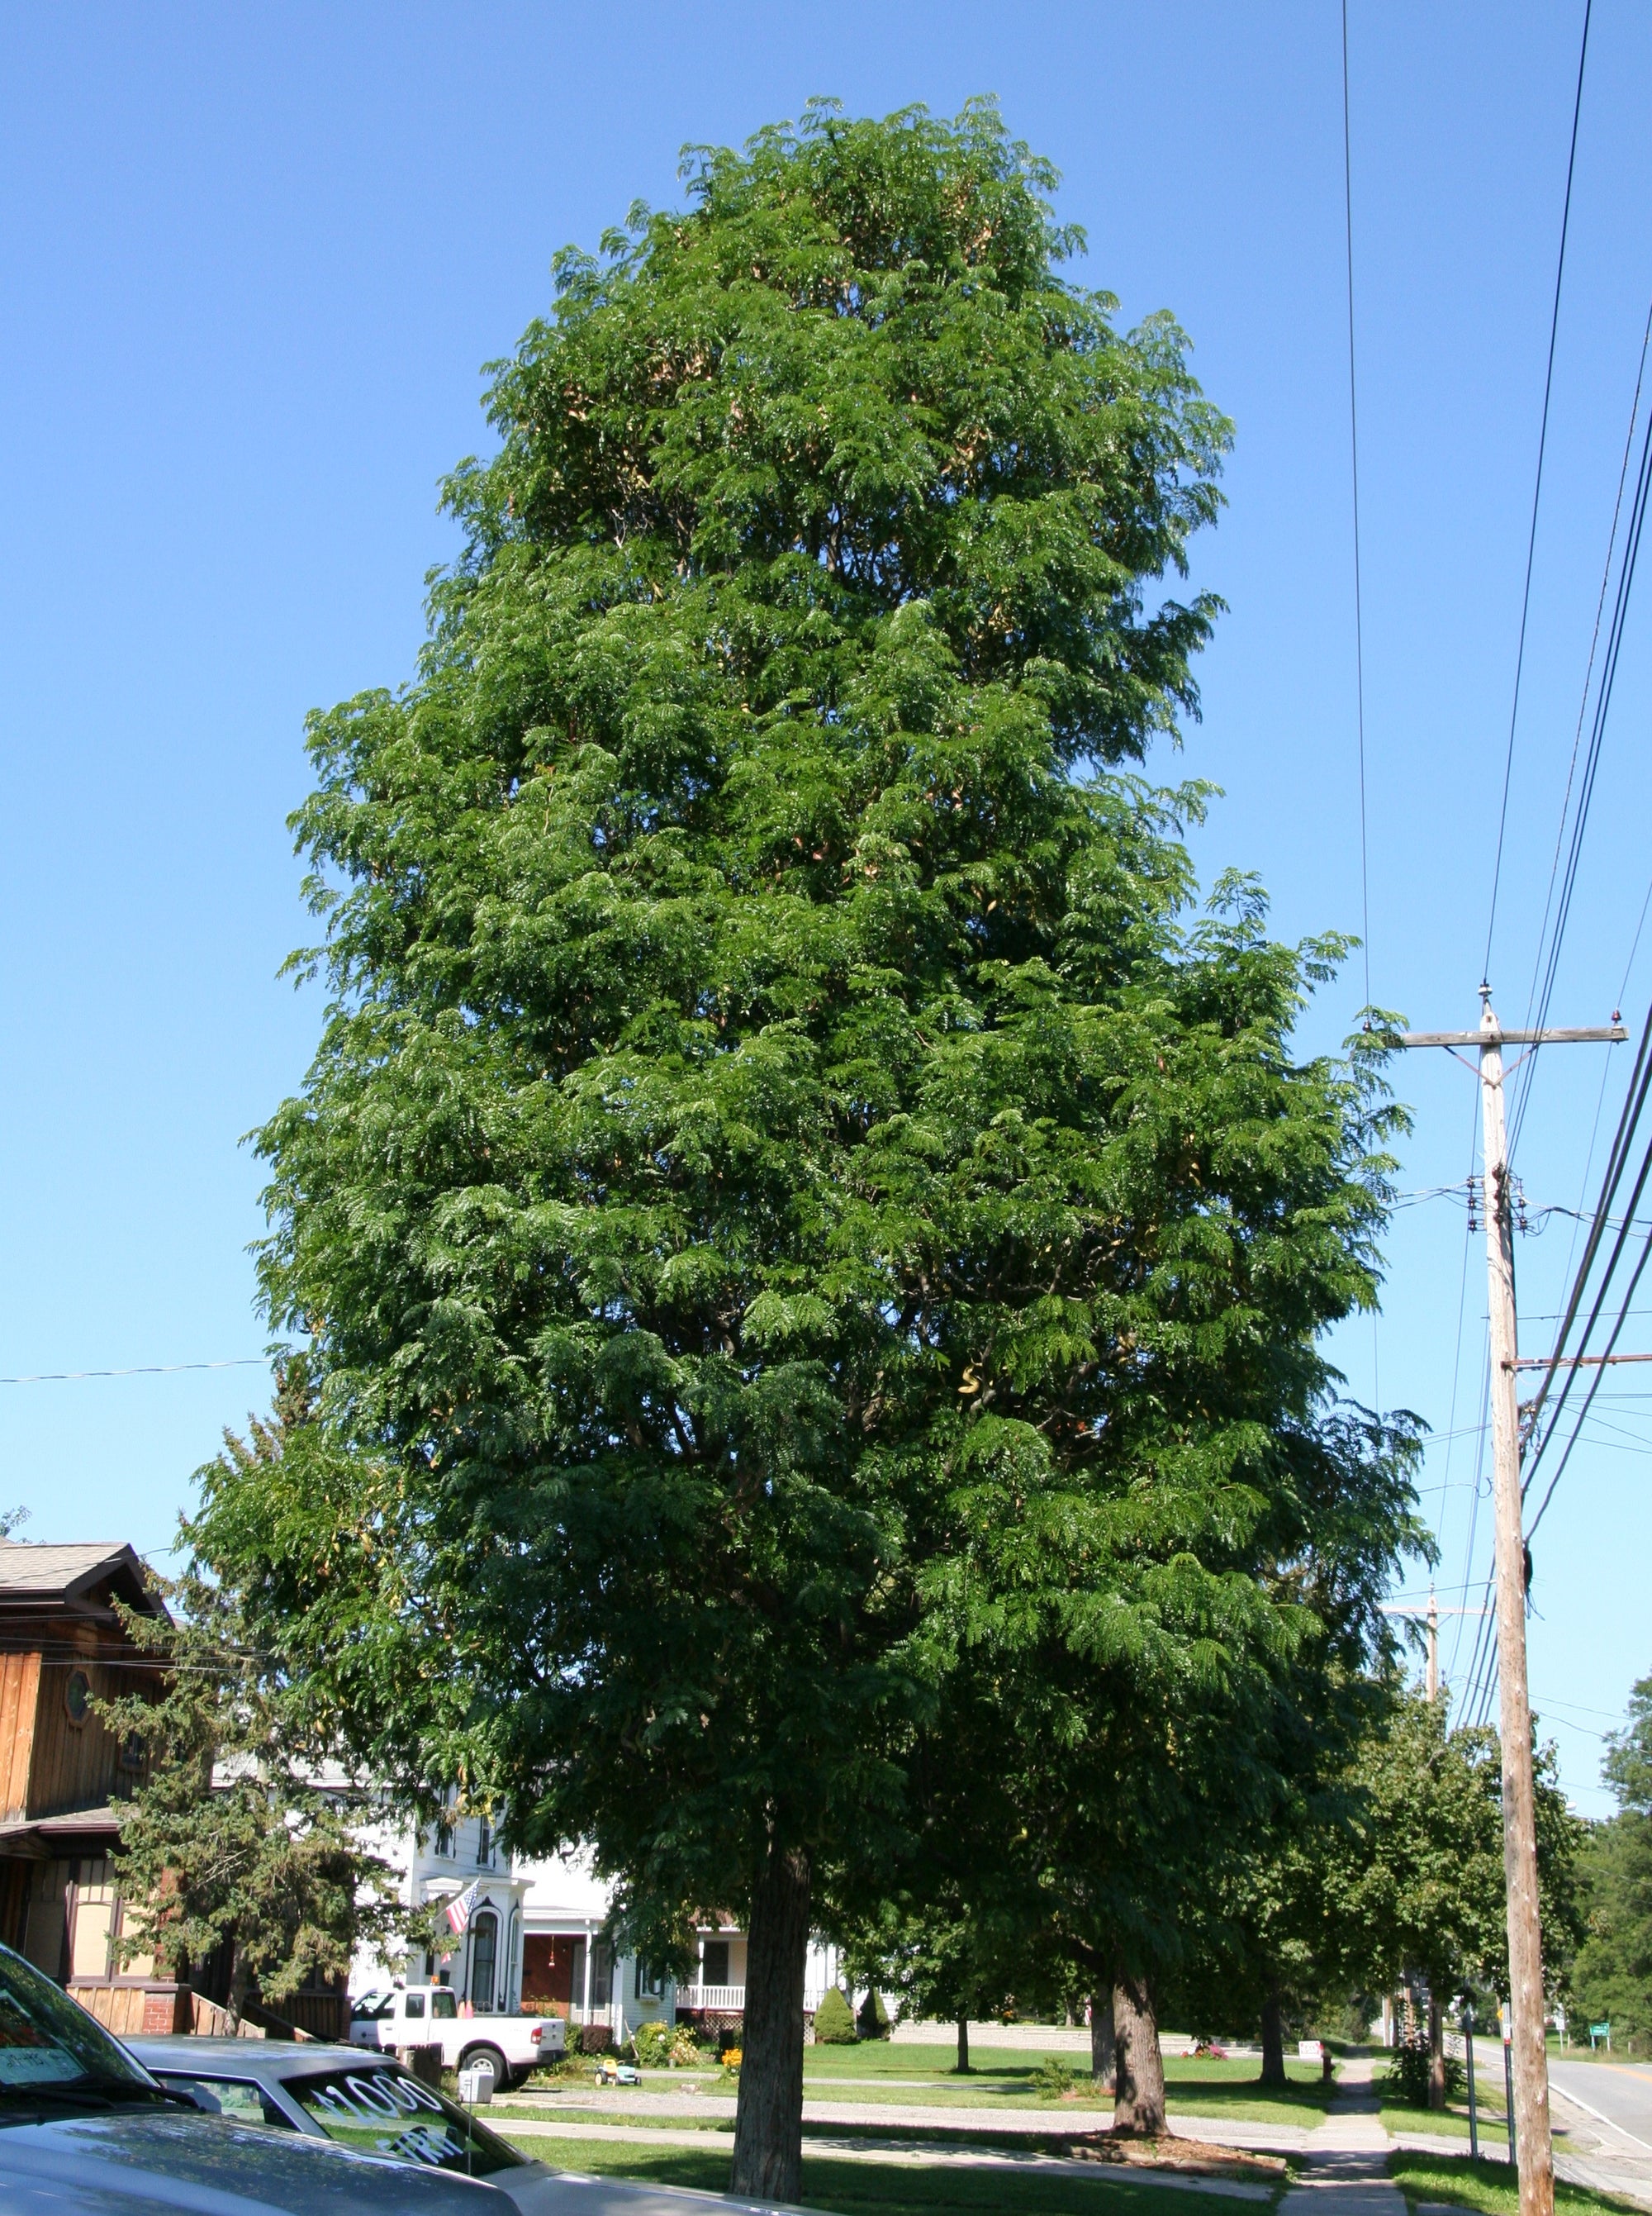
x,y
602,1974
442,1846
484,1843
714,1968
647,1979
77,1696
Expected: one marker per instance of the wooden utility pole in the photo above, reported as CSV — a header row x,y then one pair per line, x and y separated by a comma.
x,y
1533,2145
1431,1619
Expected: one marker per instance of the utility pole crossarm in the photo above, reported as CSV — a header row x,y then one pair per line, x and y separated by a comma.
x,y
1576,1361
1602,1035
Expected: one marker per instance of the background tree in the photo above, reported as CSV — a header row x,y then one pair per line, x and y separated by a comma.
x,y
778,1164
1611,1979
945,1960
1419,1885
238,1833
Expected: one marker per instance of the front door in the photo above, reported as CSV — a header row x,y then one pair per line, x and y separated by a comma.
x,y
484,1951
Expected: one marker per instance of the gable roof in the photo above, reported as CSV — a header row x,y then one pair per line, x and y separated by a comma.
x,y
35,1578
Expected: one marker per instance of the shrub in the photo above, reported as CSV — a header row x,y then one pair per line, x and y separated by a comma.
x,y
1053,2080
1406,2080
651,2044
873,2019
834,2020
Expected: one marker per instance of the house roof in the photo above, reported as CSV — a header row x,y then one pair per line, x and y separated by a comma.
x,y
34,1578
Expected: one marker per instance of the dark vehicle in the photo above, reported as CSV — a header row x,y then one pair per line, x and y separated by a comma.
x,y
368,2101
86,2131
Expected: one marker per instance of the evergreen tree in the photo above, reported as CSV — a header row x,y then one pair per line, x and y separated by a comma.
x,y
237,1833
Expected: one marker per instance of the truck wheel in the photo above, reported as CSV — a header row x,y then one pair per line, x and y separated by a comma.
x,y
475,2057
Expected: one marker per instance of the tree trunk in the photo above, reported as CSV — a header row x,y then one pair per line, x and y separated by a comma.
x,y
1273,2041
1436,2054
769,2115
1139,2082
240,1985
963,2044
1101,2035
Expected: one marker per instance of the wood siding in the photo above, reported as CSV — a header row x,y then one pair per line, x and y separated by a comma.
x,y
19,1677
72,1765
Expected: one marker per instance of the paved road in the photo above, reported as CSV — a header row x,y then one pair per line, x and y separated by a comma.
x,y
1619,2091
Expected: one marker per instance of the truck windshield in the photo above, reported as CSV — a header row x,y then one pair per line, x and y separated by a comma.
x,y
53,2054
386,2112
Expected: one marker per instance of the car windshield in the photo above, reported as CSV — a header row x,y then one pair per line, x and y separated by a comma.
x,y
51,2052
385,2111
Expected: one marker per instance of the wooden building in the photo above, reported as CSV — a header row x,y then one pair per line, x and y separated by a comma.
x,y
62,1773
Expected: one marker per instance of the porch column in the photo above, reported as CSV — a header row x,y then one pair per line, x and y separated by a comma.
x,y
585,2003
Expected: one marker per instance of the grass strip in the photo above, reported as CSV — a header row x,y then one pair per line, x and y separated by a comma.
x,y
1489,2187
896,2189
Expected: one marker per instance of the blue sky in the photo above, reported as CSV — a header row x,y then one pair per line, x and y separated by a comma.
x,y
253,260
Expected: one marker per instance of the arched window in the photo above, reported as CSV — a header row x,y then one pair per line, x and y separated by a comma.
x,y
484,1956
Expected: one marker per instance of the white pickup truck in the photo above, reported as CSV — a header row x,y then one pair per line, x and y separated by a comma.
x,y
428,2015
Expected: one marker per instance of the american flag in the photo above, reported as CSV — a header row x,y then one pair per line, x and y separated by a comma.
x,y
458,1909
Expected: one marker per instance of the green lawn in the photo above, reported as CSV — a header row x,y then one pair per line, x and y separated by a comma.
x,y
903,2189
1007,2075
1489,2187
875,2075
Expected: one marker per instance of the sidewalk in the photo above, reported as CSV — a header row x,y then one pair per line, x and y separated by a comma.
x,y
1345,2161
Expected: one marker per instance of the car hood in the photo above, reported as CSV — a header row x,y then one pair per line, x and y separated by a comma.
x,y
539,2191
142,2159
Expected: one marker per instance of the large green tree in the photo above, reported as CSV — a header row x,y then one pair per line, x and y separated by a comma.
x,y
1612,1975
780,1173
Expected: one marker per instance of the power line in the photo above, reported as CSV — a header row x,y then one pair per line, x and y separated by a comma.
x,y
1353,447
1536,489
143,1370
1597,734
1577,736
1640,1082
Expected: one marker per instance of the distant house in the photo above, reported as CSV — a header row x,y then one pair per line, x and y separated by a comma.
x,y
538,1937
63,1774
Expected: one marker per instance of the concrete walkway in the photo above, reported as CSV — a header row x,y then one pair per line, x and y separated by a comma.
x,y
1345,2161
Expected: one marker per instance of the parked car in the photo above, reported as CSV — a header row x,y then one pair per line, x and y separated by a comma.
x,y
369,2101
85,2130
428,2015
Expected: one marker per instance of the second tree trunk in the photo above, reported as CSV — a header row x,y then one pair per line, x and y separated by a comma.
x,y
1273,2041
1100,2036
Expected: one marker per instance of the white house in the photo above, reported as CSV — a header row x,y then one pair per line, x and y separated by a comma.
x,y
537,1937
